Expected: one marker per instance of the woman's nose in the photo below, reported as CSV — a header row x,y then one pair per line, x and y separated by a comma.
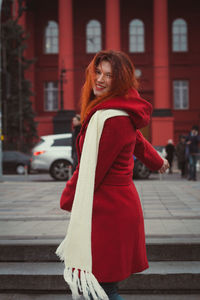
x,y
100,77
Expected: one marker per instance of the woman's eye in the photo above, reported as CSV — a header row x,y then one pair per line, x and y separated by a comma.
x,y
98,72
109,75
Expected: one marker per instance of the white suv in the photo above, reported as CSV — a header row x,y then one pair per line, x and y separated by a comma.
x,y
53,154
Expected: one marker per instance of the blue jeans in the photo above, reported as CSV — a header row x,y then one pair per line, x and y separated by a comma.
x,y
111,289
192,166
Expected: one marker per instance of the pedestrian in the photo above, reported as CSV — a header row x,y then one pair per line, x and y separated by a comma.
x,y
76,127
180,151
170,150
105,242
192,141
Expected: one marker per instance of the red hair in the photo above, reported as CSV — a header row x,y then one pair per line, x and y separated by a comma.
x,y
123,74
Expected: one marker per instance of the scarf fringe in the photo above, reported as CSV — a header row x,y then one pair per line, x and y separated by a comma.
x,y
60,250
82,282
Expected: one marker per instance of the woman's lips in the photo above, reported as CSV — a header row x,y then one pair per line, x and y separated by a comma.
x,y
99,87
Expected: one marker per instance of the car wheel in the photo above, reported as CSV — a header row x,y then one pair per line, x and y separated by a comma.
x,y
61,170
140,170
20,169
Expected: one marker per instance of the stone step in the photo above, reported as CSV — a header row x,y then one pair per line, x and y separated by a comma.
x,y
161,277
44,250
51,296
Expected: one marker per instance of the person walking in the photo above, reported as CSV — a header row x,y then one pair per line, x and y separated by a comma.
x,y
170,150
105,241
76,127
180,151
192,141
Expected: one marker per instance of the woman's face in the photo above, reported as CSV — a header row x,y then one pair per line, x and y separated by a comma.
x,y
75,121
103,78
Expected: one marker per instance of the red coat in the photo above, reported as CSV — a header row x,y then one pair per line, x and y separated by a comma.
x,y
118,239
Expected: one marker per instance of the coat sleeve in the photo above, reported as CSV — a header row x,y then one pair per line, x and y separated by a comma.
x,y
145,152
117,132
68,193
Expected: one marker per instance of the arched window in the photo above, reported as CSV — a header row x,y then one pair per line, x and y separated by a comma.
x,y
136,36
179,36
51,37
93,36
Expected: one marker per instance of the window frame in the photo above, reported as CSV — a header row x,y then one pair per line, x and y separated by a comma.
x,y
182,46
137,36
53,90
97,37
181,91
51,38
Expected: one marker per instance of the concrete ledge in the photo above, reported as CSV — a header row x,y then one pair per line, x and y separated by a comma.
x,y
51,296
176,252
28,253
44,250
161,276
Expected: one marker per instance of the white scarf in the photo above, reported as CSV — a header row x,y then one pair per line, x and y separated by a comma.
x,y
75,250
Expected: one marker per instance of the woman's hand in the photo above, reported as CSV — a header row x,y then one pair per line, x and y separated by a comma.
x,y
165,166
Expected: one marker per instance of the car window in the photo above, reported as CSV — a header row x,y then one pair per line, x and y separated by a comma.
x,y
22,156
9,155
62,142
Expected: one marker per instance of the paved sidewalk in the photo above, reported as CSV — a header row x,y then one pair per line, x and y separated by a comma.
x,y
30,209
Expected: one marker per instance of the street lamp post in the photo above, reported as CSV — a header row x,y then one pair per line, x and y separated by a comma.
x,y
62,120
62,80
1,171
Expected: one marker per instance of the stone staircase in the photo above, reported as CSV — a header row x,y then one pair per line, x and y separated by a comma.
x,y
29,268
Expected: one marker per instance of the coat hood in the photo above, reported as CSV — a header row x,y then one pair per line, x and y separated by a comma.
x,y
138,109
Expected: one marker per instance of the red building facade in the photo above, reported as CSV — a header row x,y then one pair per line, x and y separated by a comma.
x,y
160,36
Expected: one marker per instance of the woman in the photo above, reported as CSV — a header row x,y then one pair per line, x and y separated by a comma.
x,y
105,239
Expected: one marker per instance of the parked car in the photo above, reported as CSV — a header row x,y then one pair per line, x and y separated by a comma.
x,y
140,171
15,162
53,154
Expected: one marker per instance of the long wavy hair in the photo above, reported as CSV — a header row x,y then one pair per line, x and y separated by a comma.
x,y
123,79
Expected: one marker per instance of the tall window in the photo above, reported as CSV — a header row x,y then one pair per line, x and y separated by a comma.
x,y
51,96
181,94
136,36
93,36
179,36
51,38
